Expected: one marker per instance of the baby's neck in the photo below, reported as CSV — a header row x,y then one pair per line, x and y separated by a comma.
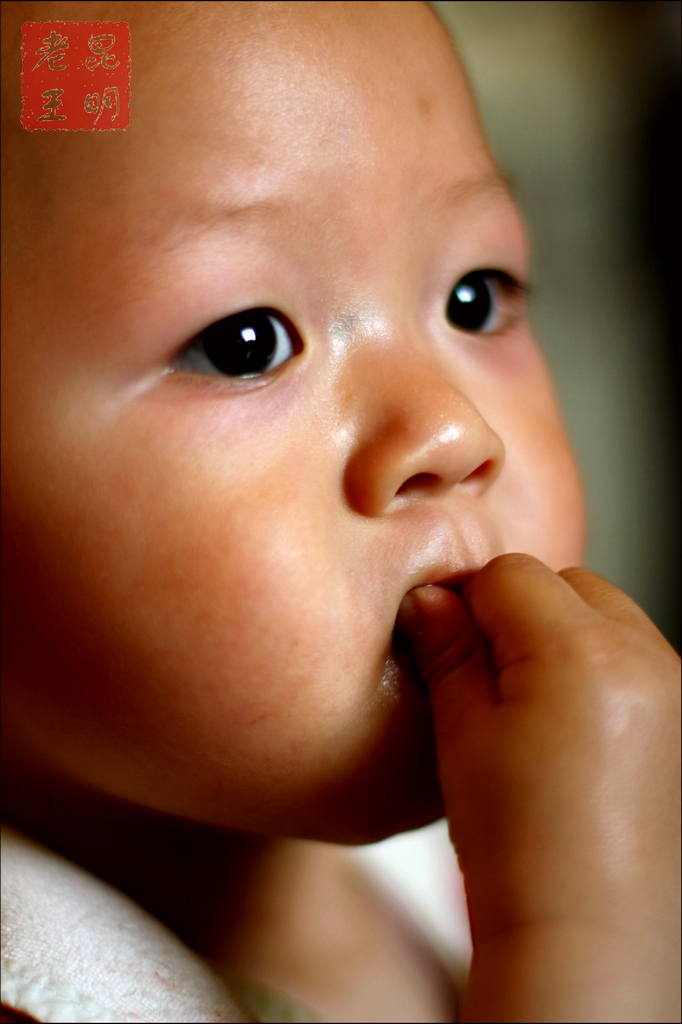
x,y
226,894
292,915
182,872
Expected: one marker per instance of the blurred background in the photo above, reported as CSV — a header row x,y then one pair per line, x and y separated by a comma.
x,y
581,103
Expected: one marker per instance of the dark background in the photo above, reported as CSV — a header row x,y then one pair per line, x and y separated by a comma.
x,y
581,102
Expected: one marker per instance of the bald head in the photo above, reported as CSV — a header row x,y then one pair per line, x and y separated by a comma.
x,y
225,97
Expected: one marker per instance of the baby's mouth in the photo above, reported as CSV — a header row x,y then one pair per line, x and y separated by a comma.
x,y
401,650
402,656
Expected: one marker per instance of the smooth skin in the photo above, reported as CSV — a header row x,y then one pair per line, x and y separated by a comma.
x,y
557,714
202,575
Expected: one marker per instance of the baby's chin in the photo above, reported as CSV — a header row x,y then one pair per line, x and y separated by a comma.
x,y
369,822
394,787
353,818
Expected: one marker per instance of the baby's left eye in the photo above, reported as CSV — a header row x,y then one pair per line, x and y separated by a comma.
x,y
246,344
477,301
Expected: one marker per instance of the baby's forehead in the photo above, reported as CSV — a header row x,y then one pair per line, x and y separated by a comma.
x,y
320,115
211,82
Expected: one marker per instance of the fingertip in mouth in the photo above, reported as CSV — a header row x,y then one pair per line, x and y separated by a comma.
x,y
401,646
402,655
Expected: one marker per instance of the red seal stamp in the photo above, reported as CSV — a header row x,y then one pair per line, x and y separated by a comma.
x,y
75,76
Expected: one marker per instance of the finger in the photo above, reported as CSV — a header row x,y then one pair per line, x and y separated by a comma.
x,y
524,609
607,599
450,653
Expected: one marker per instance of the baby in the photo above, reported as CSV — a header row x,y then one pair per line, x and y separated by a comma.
x,y
274,426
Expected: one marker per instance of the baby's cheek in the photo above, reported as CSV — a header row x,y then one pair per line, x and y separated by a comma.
x,y
537,498
196,616
189,635
244,609
540,504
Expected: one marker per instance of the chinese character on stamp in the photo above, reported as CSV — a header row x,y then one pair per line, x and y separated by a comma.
x,y
75,75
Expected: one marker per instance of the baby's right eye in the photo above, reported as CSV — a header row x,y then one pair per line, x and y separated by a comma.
x,y
246,344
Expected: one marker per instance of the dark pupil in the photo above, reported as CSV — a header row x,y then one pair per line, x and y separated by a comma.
x,y
241,344
470,302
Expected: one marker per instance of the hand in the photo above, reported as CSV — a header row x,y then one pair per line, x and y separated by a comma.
x,y
556,707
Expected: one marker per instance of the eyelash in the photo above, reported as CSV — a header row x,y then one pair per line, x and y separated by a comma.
x,y
257,341
481,294
242,346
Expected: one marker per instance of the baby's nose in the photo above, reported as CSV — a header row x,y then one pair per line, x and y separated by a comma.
x,y
420,436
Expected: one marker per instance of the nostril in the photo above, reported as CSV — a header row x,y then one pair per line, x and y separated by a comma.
x,y
419,482
481,472
422,483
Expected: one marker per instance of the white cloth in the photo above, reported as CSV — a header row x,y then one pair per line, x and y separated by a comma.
x,y
76,950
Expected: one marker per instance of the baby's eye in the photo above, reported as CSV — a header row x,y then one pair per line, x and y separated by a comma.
x,y
481,301
246,344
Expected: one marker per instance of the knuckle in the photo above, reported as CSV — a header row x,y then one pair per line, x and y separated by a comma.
x,y
578,574
604,650
513,560
596,590
628,680
455,658
502,571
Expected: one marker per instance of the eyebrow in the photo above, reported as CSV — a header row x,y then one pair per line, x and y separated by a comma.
x,y
494,183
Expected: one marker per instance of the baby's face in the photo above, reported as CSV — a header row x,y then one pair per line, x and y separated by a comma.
x,y
209,535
